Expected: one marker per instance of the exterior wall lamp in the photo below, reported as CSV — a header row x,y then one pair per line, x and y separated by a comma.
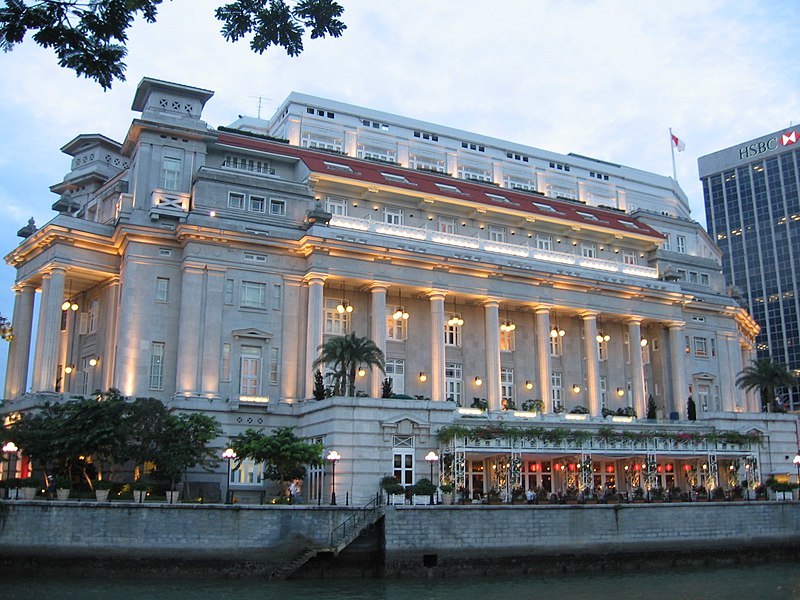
x,y
576,388
423,377
478,380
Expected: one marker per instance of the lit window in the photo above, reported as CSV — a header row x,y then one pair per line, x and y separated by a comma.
x,y
250,371
336,323
396,329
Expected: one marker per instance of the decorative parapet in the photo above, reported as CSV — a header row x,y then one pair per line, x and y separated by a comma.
x,y
170,204
518,251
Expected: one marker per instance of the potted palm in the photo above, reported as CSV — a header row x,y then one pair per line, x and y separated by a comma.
x,y
101,489
63,484
395,493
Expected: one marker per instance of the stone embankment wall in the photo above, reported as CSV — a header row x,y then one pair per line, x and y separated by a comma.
x,y
252,540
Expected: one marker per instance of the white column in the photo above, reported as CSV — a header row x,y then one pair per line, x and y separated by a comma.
x,y
437,346
314,333
351,143
209,367
677,351
452,164
293,131
19,347
44,370
752,401
637,367
592,357
291,358
109,334
543,360
378,333
492,328
189,331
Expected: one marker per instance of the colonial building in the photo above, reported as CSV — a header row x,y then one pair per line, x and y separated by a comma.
x,y
549,301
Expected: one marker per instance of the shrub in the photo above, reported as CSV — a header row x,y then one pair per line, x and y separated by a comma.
x,y
423,487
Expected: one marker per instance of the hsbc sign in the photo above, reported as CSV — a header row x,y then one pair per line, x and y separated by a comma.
x,y
773,143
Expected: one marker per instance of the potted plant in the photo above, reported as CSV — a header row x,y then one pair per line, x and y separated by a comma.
x,y
101,489
422,492
140,488
781,489
395,493
447,490
63,484
28,486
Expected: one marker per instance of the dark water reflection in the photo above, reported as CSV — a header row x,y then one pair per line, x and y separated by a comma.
x,y
770,582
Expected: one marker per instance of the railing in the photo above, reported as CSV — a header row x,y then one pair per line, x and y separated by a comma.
x,y
355,522
493,247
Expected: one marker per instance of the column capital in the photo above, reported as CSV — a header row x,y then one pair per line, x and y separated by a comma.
x,y
588,315
634,320
375,286
676,324
491,303
315,278
436,294
541,309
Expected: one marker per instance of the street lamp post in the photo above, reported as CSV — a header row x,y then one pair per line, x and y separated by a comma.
x,y
432,458
796,461
9,449
228,455
333,457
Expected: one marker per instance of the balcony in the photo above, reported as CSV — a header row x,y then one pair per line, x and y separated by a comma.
x,y
518,251
169,204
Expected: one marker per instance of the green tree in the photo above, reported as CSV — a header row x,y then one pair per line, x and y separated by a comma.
x,y
344,355
765,375
183,443
6,332
651,408
283,454
90,37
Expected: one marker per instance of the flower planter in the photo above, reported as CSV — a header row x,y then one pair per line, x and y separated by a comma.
x,y
27,493
173,497
447,498
397,499
101,495
62,493
139,496
417,499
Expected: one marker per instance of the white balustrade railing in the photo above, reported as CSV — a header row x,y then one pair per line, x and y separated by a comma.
x,y
472,243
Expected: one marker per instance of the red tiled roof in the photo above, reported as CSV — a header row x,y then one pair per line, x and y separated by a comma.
x,y
427,183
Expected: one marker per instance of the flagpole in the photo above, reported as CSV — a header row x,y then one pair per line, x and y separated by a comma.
x,y
672,150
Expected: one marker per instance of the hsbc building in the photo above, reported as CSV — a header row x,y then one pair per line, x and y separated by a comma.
x,y
753,213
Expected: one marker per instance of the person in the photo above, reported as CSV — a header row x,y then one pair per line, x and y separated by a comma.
x,y
529,496
294,491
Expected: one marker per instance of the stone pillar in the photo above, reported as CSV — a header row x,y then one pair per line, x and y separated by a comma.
x,y
316,285
109,335
291,359
190,341
20,346
293,130
677,351
437,345
211,348
752,400
44,368
492,331
592,357
378,332
543,361
637,367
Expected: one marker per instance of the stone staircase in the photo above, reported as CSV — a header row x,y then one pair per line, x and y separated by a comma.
x,y
341,537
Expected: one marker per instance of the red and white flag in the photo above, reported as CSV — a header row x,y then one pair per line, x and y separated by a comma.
x,y
677,143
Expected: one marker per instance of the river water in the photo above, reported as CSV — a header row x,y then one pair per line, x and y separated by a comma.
x,y
777,581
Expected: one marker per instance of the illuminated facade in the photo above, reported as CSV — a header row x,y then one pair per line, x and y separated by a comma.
x,y
753,213
541,290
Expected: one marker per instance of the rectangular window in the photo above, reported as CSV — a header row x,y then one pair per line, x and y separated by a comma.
x,y
277,208
701,347
336,206
507,391
228,292
713,344
603,392
507,341
556,391
544,242
453,383
602,350
396,372
589,250
235,200
170,173
403,467
274,357
629,258
497,234
250,371
92,315
257,203
253,295
157,366
225,367
452,335
667,245
277,294
393,216
680,244
556,346
396,329
162,289
645,355
336,323
447,225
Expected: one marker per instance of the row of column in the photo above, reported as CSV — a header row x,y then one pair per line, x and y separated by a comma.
x,y
492,336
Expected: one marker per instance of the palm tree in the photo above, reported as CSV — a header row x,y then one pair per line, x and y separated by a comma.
x,y
344,355
765,375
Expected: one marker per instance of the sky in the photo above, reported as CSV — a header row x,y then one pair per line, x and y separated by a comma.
x,y
601,78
